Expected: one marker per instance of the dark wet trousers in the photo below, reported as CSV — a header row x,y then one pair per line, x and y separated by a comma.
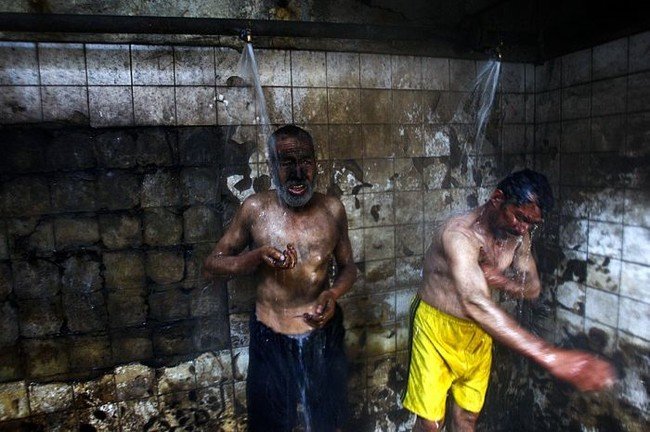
x,y
297,383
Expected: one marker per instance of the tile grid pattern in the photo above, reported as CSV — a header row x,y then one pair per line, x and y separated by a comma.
x,y
596,128
344,113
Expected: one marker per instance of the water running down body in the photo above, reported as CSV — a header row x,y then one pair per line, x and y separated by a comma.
x,y
290,250
455,320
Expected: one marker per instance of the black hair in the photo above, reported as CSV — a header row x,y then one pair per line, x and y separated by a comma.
x,y
527,186
287,131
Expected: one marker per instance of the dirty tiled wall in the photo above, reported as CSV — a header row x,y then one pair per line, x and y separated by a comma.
x,y
592,117
388,144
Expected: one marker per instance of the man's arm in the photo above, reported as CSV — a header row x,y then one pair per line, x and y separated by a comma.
x,y
581,369
522,280
227,258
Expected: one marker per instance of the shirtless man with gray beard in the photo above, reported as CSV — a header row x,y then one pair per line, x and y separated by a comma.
x,y
455,318
287,238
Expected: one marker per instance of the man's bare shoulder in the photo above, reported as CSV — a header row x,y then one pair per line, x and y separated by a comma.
x,y
459,229
333,205
259,200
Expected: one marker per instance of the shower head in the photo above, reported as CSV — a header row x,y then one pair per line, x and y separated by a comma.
x,y
494,53
246,35
498,51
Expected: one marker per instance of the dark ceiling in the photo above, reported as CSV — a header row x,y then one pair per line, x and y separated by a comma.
x,y
543,28
524,30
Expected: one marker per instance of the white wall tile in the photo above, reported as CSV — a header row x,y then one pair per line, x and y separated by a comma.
x,y
640,52
274,67
195,105
110,106
62,63
603,272
375,71
605,238
308,69
635,281
406,72
343,70
20,104
601,306
152,65
636,245
108,64
634,317
154,105
610,59
65,103
576,68
194,66
18,63
571,295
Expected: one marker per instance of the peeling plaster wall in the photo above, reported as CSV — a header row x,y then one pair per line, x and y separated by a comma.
x,y
593,117
385,144
591,137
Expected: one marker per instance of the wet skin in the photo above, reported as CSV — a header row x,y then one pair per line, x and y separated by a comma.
x,y
291,235
490,248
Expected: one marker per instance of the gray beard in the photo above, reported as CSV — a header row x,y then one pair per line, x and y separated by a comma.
x,y
285,195
293,200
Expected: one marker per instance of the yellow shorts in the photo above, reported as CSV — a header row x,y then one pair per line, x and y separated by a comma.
x,y
446,352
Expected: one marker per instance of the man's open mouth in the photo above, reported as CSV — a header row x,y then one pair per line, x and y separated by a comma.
x,y
298,189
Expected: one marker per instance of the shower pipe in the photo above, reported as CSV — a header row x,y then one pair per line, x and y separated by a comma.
x,y
120,24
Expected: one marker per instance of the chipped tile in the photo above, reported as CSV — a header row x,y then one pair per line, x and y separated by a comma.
x,y
134,381
571,295
102,418
137,414
213,368
603,272
47,398
96,392
176,378
13,401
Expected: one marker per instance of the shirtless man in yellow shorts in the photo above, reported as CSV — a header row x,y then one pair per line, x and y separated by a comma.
x,y
455,318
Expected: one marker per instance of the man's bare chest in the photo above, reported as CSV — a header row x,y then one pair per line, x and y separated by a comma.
x,y
499,254
314,232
